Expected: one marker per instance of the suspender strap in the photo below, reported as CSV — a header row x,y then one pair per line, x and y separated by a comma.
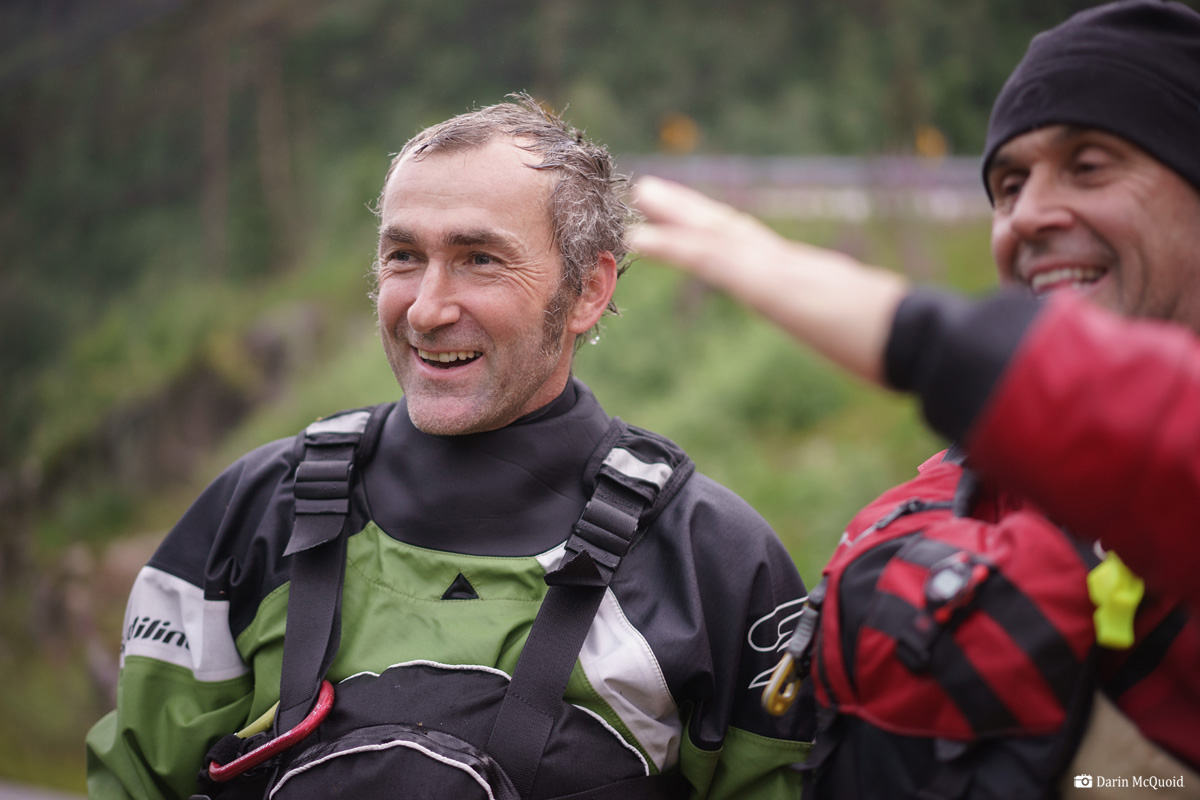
x,y
625,488
317,549
531,704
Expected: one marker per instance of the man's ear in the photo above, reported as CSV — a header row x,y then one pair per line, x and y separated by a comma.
x,y
598,290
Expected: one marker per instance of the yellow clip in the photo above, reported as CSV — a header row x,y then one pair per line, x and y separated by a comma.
x,y
1116,593
780,693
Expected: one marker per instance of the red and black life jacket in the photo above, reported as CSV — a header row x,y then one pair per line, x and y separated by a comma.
x,y
951,656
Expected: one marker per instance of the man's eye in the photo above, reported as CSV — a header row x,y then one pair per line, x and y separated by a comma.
x,y
1092,159
1008,187
482,259
399,259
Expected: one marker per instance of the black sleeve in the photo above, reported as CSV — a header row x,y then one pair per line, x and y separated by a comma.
x,y
230,542
951,352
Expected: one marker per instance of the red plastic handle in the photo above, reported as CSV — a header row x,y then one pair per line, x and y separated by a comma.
x,y
280,743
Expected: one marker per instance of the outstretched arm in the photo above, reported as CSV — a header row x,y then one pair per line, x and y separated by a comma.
x,y
833,303
1089,415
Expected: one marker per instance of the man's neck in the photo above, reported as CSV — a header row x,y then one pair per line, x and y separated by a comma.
x,y
516,490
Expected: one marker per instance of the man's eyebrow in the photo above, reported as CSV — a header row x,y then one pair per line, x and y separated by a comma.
x,y
1064,134
396,234
1002,160
474,237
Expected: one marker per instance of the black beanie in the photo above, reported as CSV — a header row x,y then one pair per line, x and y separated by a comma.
x,y
1130,68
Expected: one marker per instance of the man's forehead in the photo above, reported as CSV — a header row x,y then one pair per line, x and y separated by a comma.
x,y
501,165
501,150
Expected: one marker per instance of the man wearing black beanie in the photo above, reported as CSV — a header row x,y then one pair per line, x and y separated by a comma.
x,y
1092,161
1092,164
1128,68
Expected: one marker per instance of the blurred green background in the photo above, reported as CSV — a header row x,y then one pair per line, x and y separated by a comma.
x,y
186,230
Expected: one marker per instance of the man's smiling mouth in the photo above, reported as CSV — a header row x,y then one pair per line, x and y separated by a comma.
x,y
455,358
1065,277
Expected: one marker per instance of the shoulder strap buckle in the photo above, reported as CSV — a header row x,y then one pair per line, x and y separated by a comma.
x,y
322,488
634,473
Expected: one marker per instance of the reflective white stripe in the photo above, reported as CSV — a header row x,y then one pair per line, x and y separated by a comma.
x,y
168,619
627,463
475,776
425,663
621,667
616,735
345,423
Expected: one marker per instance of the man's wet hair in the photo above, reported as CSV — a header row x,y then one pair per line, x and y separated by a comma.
x,y
587,207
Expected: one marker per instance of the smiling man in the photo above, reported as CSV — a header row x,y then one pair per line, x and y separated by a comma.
x,y
476,318
1093,168
494,489
1080,208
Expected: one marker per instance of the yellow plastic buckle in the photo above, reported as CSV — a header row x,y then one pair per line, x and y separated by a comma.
x,y
1116,593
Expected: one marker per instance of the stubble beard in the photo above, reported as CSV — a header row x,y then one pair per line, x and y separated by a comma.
x,y
527,382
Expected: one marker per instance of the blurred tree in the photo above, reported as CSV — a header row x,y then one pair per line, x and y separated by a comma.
x,y
274,145
212,54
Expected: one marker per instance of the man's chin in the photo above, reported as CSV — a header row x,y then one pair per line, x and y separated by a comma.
x,y
438,424
442,418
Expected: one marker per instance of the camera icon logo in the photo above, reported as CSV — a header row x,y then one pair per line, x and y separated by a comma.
x,y
1083,781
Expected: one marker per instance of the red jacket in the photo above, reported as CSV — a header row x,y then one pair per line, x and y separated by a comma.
x,y
1096,420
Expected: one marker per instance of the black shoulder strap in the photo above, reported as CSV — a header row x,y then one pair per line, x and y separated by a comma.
x,y
317,549
629,482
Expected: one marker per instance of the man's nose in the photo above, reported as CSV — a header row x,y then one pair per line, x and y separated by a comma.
x,y
1041,207
435,304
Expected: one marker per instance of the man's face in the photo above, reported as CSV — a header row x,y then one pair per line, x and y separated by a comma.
x,y
472,318
1082,209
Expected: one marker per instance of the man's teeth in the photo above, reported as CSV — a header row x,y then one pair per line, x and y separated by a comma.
x,y
1076,276
446,358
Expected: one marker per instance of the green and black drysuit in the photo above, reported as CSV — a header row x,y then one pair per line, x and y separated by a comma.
x,y
454,537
